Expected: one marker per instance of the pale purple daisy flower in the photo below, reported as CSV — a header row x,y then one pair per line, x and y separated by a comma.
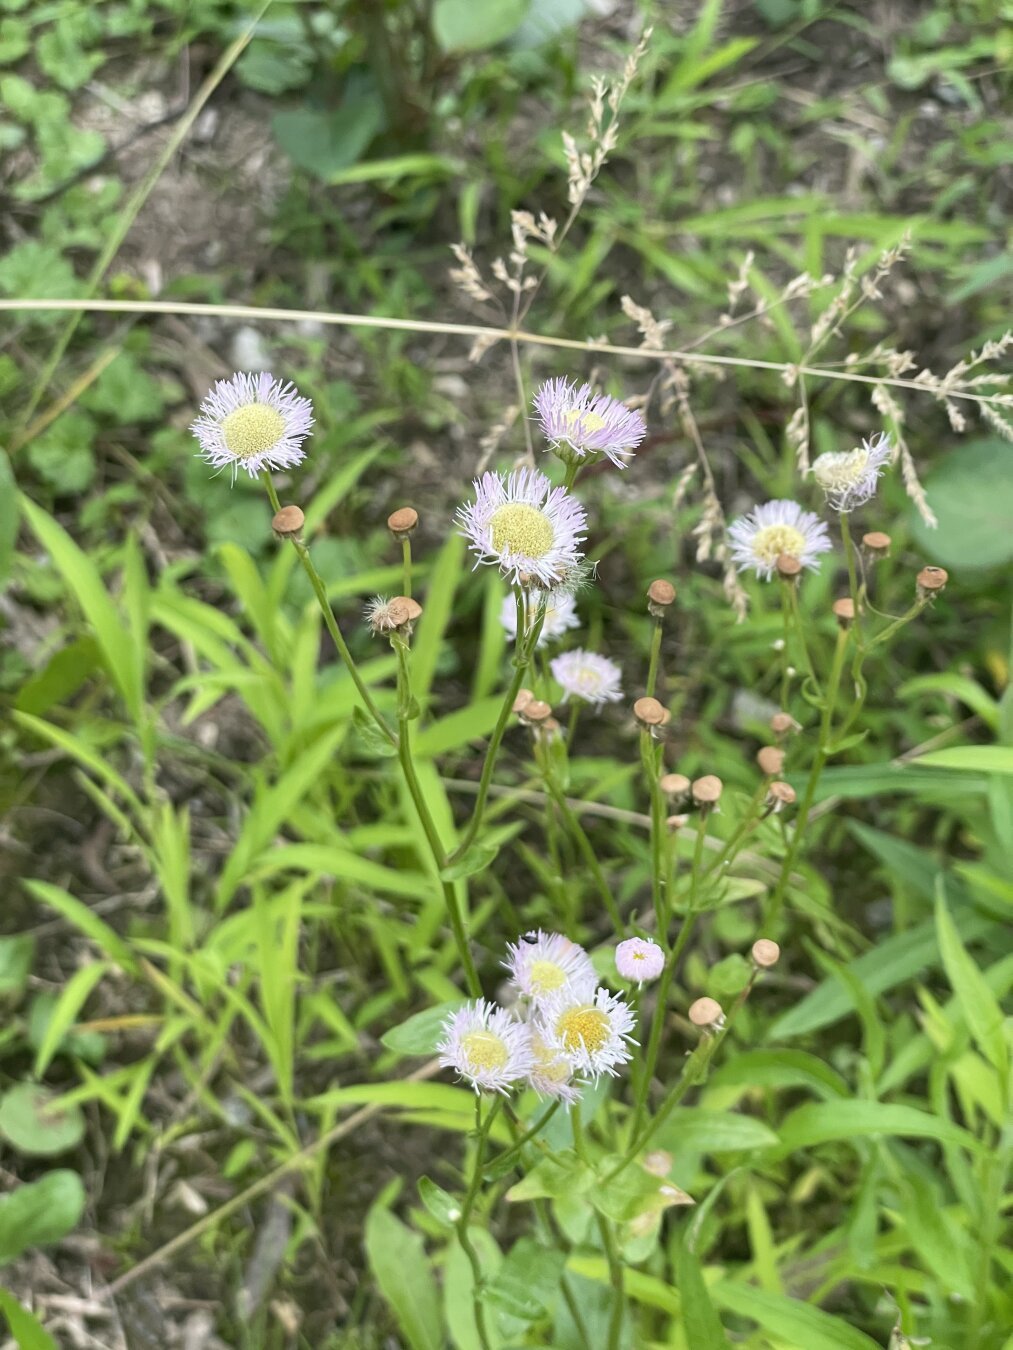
x,y
849,477
591,1030
560,614
777,528
487,1046
524,524
543,963
588,423
640,960
253,422
587,675
552,1073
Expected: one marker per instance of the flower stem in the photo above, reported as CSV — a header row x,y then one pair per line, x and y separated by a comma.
x,y
481,1136
652,669
615,1266
406,564
658,1022
576,830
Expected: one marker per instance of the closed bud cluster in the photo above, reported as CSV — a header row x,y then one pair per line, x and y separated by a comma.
x,y
288,522
782,723
931,581
766,953
535,712
390,616
660,594
771,760
650,713
779,795
707,791
674,785
707,1014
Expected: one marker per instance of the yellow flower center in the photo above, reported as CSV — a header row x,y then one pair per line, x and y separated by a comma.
x,y
544,976
522,529
548,1065
252,429
484,1050
773,540
590,422
638,956
583,1028
837,471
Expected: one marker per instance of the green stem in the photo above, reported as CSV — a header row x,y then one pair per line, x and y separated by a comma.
x,y
822,752
482,1135
658,1023
518,1144
615,1266
575,828
652,669
571,725
406,565
796,618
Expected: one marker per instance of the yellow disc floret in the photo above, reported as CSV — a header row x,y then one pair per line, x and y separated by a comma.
x,y
521,529
252,429
769,543
584,1027
838,472
484,1050
590,422
545,976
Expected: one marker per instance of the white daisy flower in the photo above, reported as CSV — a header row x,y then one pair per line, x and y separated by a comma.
x,y
560,614
640,960
587,675
543,963
253,422
849,477
591,1030
552,1074
774,528
486,1046
588,423
525,525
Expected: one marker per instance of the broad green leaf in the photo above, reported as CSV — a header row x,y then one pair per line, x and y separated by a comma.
x,y
780,1069
463,26
62,675
419,1034
827,1122
39,1212
86,921
971,493
324,140
443,1206
700,1323
981,1011
970,759
526,1283
798,1324
558,1174
475,859
693,1130
16,955
399,1263
27,1330
960,687
35,1123
458,1289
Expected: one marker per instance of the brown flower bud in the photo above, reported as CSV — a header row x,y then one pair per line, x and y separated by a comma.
x,y
781,723
788,567
780,794
411,608
844,611
660,594
402,522
674,784
930,581
677,823
876,545
770,760
288,522
650,713
707,1014
766,953
535,712
707,790
524,697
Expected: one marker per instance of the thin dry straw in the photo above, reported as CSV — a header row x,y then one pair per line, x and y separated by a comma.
x,y
473,330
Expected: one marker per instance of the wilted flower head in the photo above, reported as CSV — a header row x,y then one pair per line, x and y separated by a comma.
x,y
776,529
849,477
640,960
525,525
588,423
587,675
590,1029
253,422
542,963
486,1046
552,1073
560,615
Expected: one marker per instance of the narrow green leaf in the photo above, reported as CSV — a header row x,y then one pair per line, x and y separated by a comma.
x,y
419,1034
693,1130
981,1010
441,1205
27,1330
438,604
798,1324
398,1260
826,1122
970,759
85,921
9,514
700,1322
72,998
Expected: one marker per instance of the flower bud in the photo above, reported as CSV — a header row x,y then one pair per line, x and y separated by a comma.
x,y
649,713
844,611
707,791
930,581
403,522
660,594
535,712
770,760
781,723
707,1014
766,953
288,522
524,697
676,823
788,567
388,616
780,795
875,545
674,784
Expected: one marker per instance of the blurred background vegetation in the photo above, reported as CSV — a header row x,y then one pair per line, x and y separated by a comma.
x,y
329,170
